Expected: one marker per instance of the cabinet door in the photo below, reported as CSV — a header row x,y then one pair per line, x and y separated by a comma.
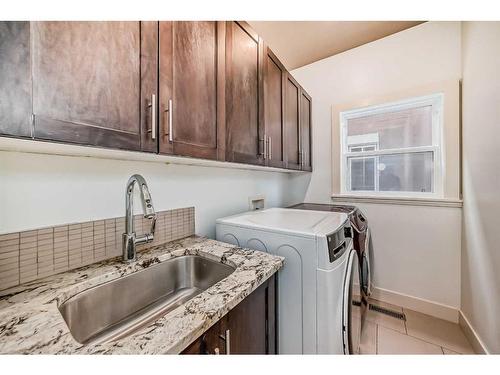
x,y
274,104
87,83
251,324
292,123
189,67
15,79
244,94
305,130
211,342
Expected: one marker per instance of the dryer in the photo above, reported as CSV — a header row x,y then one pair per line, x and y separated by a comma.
x,y
361,243
318,286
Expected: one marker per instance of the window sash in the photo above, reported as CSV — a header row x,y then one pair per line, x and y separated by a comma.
x,y
394,151
436,101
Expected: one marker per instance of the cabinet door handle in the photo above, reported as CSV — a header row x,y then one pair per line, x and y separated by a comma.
x,y
269,148
152,105
264,146
170,120
227,340
217,351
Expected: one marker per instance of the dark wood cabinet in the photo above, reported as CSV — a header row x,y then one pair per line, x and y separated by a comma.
x,y
298,131
292,123
15,79
190,69
94,83
249,328
203,89
274,109
306,130
244,95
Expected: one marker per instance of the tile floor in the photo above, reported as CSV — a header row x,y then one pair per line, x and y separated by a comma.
x,y
419,334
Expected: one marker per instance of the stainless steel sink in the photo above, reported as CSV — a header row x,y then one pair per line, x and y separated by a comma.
x,y
120,307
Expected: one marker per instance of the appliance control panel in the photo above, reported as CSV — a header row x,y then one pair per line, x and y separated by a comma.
x,y
338,242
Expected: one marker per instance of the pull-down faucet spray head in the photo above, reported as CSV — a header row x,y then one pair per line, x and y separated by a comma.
x,y
130,240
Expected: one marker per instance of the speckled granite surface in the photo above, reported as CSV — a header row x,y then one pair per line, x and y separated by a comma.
x,y
30,321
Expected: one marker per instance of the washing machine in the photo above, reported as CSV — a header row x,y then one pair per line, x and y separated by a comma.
x,y
318,286
361,243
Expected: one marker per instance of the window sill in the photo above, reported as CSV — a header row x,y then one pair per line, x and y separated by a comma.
x,y
404,201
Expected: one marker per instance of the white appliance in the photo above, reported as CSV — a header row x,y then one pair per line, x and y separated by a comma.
x,y
318,286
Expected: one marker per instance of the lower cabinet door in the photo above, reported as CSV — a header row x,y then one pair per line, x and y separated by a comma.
x,y
249,328
211,342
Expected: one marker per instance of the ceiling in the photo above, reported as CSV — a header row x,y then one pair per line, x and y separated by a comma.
x,y
298,43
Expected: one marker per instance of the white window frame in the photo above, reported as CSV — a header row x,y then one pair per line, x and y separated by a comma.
x,y
437,148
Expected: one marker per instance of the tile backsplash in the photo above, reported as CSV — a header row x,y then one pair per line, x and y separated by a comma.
x,y
34,254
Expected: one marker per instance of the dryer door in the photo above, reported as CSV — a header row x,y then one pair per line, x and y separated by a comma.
x,y
351,311
366,272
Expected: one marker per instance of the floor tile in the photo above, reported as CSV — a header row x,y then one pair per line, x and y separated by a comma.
x,y
392,342
386,320
437,331
368,343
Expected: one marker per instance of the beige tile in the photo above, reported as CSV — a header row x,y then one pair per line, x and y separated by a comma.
x,y
110,237
386,320
368,343
437,331
393,342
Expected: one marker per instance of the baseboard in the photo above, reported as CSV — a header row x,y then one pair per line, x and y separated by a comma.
x,y
424,306
471,334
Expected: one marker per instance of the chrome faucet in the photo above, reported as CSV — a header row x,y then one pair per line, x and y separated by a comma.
x,y
130,240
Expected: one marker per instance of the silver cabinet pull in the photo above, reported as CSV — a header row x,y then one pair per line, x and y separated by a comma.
x,y
228,341
264,144
152,105
217,351
170,120
269,149
170,117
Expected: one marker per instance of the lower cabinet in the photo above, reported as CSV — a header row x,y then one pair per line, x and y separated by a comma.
x,y
249,328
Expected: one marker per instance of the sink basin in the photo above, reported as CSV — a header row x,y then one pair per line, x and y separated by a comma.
x,y
116,309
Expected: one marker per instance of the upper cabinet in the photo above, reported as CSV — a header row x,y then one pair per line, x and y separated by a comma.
x,y
15,79
298,131
292,123
88,81
274,109
190,68
203,89
244,95
305,131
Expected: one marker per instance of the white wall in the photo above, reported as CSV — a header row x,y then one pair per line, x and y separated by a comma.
x,y
44,190
415,256
481,179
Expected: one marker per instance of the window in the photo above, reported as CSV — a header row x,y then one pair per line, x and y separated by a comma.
x,y
393,149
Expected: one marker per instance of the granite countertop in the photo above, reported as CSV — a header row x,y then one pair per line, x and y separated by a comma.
x,y
30,322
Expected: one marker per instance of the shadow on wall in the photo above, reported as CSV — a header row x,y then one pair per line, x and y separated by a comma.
x,y
298,186
62,189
